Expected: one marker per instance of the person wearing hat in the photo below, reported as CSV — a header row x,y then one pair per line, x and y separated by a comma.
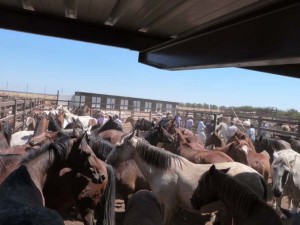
x,y
231,130
102,120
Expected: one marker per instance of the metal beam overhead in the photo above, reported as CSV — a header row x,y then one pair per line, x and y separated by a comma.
x,y
33,22
266,37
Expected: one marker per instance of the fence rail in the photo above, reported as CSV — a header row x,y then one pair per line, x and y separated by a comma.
x,y
16,111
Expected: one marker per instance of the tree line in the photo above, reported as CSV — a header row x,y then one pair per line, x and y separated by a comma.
x,y
258,111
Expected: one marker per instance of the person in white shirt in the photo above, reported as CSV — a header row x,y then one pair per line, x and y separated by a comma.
x,y
117,120
201,130
232,129
189,123
177,120
251,132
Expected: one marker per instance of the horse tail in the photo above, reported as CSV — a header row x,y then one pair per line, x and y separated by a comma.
x,y
265,187
110,195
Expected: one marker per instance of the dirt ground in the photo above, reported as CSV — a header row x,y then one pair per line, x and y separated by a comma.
x,y
182,217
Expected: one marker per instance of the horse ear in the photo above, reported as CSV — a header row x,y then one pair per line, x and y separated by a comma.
x,y
243,137
225,170
275,155
236,138
260,138
212,169
65,171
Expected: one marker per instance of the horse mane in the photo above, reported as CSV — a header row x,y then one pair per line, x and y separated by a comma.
x,y
59,148
234,190
38,123
100,147
273,143
53,125
152,133
110,124
155,156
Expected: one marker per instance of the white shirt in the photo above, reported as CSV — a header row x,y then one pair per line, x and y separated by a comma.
x,y
189,124
231,131
201,126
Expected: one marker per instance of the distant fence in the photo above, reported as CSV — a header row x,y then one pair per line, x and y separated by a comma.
x,y
16,111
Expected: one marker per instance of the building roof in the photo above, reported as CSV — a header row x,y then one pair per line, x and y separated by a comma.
x,y
259,35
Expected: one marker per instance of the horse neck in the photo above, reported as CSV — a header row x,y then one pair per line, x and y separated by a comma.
x,y
151,137
187,152
238,199
132,122
224,149
41,127
39,167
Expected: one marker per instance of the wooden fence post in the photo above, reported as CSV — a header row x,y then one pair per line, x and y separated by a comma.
x,y
14,111
57,97
23,115
259,125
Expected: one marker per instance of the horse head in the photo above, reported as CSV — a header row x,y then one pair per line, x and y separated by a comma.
x,y
204,193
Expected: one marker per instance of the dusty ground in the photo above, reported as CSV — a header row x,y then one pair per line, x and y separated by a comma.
x,y
181,218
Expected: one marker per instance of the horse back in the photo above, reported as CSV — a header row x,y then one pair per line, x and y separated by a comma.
x,y
144,209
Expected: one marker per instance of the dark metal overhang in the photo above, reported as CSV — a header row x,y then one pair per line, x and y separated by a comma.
x,y
37,23
261,35
265,40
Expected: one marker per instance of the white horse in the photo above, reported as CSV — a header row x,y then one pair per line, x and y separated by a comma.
x,y
21,137
87,121
173,178
286,177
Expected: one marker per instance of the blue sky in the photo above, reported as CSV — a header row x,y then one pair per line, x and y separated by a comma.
x,y
51,64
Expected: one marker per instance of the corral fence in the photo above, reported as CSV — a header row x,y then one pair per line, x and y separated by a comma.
x,y
17,109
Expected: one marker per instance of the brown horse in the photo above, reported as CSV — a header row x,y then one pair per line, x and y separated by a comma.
x,y
241,202
198,155
129,179
242,136
5,134
131,120
143,209
241,151
86,181
84,171
21,197
215,141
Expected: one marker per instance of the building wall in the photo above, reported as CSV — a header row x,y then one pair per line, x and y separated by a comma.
x,y
89,96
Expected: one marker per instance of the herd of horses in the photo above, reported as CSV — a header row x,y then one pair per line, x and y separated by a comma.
x,y
66,163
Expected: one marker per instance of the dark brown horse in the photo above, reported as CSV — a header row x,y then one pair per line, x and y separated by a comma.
x,y
241,202
143,124
215,141
21,197
129,179
270,145
143,209
84,181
